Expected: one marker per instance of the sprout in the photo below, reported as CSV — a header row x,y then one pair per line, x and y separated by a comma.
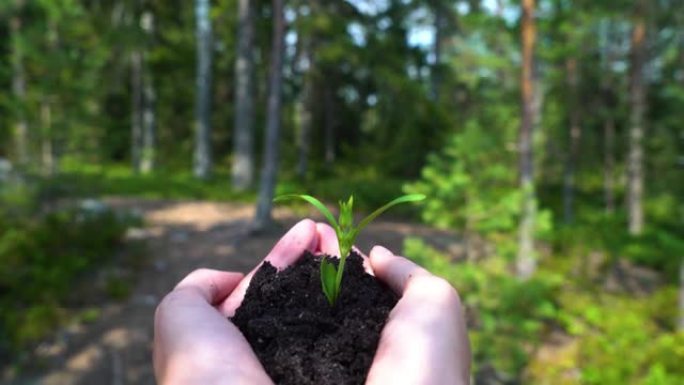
x,y
331,276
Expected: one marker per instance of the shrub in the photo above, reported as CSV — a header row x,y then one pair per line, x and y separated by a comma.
x,y
40,257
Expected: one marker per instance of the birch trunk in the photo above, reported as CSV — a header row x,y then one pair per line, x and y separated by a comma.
x,y
243,163
149,101
329,127
637,102
19,86
305,120
47,146
202,156
270,162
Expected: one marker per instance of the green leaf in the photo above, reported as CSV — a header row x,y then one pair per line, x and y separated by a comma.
x,y
346,214
401,199
315,202
328,280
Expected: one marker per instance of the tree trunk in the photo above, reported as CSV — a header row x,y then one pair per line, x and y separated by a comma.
x,y
47,147
305,117
575,134
136,109
609,164
438,48
526,263
637,102
19,86
202,157
149,120
243,163
270,162
608,127
329,127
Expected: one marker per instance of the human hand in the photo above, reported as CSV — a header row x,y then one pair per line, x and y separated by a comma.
x,y
424,340
193,341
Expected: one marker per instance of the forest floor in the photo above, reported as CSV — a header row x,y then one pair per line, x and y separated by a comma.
x,y
179,236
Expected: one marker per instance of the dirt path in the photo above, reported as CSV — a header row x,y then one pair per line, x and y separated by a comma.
x,y
180,237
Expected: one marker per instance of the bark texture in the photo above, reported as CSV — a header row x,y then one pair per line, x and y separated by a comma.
x,y
270,162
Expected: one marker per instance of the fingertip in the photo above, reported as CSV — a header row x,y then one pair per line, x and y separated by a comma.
x,y
327,240
392,269
379,252
301,237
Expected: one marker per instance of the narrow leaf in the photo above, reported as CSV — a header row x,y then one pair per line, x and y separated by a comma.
x,y
401,199
328,280
315,202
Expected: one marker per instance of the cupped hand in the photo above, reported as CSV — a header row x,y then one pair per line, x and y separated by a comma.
x,y
193,341
424,341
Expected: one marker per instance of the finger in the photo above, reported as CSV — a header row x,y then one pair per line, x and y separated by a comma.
x,y
393,270
190,333
213,285
425,334
327,240
301,237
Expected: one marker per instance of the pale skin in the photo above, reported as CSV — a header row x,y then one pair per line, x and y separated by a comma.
x,y
423,342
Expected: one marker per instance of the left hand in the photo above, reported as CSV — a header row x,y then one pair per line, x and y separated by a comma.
x,y
194,342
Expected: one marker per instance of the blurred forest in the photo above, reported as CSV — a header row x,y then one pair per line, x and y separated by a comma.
x,y
547,134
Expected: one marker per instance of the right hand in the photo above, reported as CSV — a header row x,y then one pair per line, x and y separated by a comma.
x,y
424,340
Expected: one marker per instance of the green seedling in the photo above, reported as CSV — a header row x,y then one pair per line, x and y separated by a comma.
x,y
331,276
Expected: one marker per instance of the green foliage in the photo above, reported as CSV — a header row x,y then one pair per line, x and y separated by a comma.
x,y
41,255
508,315
85,180
346,232
473,189
608,338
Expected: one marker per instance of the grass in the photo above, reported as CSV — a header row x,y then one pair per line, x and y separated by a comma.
x,y
82,180
78,179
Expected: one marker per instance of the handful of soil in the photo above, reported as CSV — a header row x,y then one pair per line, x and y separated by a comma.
x,y
299,338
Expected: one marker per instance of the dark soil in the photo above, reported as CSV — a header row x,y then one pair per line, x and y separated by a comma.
x,y
299,338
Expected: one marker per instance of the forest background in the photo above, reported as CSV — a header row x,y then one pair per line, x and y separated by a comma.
x,y
548,136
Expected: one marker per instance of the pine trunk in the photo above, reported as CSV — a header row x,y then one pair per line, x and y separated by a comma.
x,y
243,163
19,87
574,137
526,263
202,156
635,167
270,162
